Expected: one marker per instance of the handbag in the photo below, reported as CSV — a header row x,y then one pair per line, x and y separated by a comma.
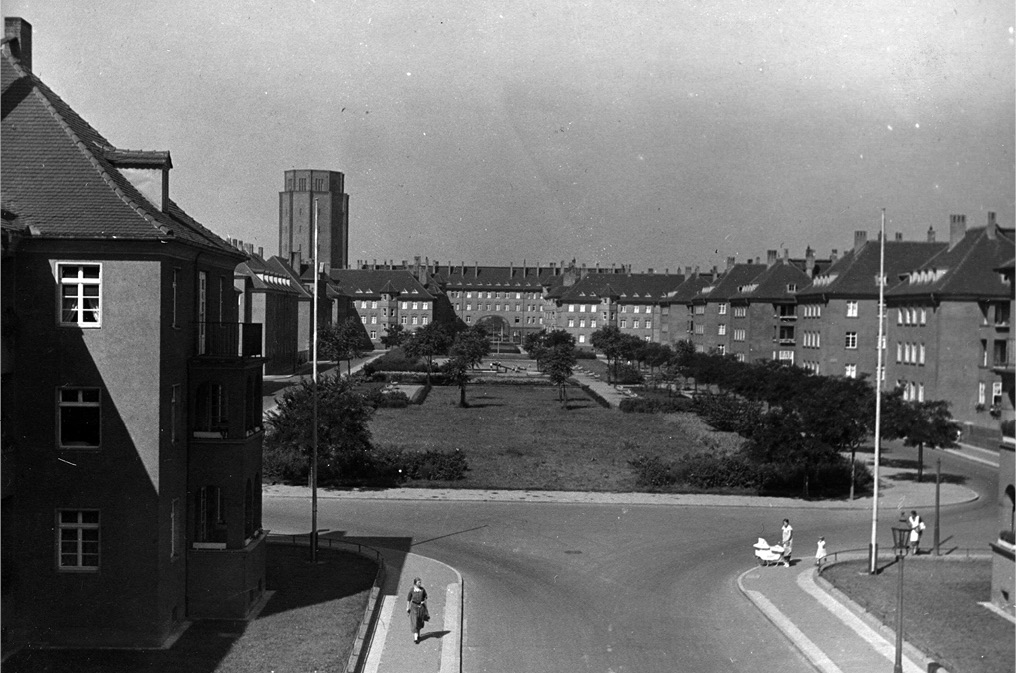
x,y
424,612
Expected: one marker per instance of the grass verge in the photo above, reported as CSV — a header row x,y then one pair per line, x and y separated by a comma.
x,y
941,615
521,437
309,624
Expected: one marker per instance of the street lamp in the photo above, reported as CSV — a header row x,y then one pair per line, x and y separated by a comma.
x,y
901,539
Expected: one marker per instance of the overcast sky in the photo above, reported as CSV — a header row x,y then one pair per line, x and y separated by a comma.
x,y
657,134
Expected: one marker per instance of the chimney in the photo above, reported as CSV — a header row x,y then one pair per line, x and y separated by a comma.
x,y
687,272
294,260
261,251
770,257
511,269
476,269
809,261
649,270
834,254
990,232
730,263
957,229
786,255
860,238
19,35
931,234
899,236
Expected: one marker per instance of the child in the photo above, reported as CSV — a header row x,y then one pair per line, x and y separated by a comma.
x,y
820,552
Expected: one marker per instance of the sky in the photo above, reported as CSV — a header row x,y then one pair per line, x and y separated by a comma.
x,y
657,134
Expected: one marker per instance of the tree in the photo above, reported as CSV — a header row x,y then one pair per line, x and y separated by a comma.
x,y
343,423
919,424
344,341
608,340
430,340
656,355
559,360
394,336
534,344
468,349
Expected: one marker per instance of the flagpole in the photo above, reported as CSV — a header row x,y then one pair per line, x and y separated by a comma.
x,y
873,544
314,389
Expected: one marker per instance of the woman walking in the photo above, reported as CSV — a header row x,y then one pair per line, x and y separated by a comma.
x,y
416,606
787,540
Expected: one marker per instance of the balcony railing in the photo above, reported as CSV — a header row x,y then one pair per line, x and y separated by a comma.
x,y
227,339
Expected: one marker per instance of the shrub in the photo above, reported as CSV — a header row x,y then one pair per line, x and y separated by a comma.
x,y
395,360
585,354
643,405
392,400
435,465
652,472
627,375
725,412
284,463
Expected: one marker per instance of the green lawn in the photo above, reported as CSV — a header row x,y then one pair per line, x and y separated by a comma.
x,y
941,616
519,436
309,624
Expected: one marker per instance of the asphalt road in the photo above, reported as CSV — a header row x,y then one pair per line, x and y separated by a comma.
x,y
608,588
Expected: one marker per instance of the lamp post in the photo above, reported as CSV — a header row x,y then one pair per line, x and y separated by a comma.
x,y
901,537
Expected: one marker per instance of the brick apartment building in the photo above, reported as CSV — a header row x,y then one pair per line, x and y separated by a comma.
x,y
131,391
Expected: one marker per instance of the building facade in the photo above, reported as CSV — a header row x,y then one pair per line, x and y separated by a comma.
x,y
302,190
132,395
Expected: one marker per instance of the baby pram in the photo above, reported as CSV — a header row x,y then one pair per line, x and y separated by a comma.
x,y
766,554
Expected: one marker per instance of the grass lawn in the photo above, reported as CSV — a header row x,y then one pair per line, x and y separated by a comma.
x,y
519,436
309,624
941,616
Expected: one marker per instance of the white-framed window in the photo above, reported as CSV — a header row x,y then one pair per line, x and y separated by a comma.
x,y
571,322
77,540
739,335
982,391
924,316
920,354
416,320
373,304
469,319
636,309
623,323
635,323
721,329
582,338
899,351
373,334
416,306
920,392
741,311
851,340
721,349
469,306
899,316
649,324
405,319
80,414
592,323
571,308
363,319
851,309
423,320
850,371
469,294
80,294
722,308
700,309
996,392
497,307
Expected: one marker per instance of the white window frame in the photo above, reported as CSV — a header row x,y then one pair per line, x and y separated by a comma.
x,y
722,308
79,403
75,537
850,371
852,309
78,282
850,341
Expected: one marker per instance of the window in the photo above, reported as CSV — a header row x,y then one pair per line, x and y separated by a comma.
x,y
209,515
469,319
924,316
624,323
920,392
722,308
373,304
175,529
582,338
80,418
981,392
415,320
571,322
851,309
571,308
635,323
78,539
469,306
416,306
373,334
423,320
920,354
739,334
899,316
721,349
740,311
405,306
497,307
851,340
850,371
80,296
210,408
636,309
363,319
176,287
996,392
425,305
721,329
592,323
700,309
649,324
174,413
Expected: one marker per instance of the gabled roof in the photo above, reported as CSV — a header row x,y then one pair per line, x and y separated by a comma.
x,y
856,273
371,284
774,284
625,287
513,278
966,270
268,275
729,284
62,178
689,288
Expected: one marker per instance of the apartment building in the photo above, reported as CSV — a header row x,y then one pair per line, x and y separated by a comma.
x,y
710,307
763,312
270,293
383,297
949,326
132,411
838,312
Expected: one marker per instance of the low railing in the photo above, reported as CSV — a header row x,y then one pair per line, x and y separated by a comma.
x,y
886,554
227,339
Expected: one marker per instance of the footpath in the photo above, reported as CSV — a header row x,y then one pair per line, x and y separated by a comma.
x,y
829,629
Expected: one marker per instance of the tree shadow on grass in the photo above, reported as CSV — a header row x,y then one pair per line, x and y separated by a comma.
x,y
929,472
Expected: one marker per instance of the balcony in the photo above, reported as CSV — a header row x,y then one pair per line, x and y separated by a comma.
x,y
227,340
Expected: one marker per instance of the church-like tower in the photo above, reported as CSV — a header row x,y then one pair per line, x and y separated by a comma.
x,y
296,217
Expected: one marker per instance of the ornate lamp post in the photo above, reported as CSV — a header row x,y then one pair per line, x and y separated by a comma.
x,y
901,538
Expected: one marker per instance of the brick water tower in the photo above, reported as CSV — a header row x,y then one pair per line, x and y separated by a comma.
x,y
296,217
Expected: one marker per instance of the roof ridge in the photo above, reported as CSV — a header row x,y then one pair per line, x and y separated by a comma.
x,y
76,140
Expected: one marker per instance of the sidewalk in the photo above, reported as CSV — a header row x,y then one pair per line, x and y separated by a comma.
x,y
826,627
392,649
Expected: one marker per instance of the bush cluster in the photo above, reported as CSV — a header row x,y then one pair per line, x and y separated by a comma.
x,y
649,405
395,360
585,354
735,472
728,413
392,400
626,375
377,466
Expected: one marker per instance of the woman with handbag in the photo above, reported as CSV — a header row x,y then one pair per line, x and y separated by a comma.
x,y
916,529
416,607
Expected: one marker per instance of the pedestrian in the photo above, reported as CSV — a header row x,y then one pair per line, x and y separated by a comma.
x,y
916,529
820,552
416,607
787,541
